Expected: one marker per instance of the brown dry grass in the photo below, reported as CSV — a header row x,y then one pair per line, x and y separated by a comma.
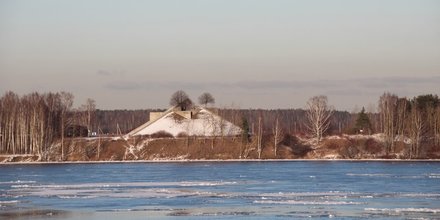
x,y
336,144
193,148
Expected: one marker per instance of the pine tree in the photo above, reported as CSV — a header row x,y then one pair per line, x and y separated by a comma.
x,y
363,123
245,131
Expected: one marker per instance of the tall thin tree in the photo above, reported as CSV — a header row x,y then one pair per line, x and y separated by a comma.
x,y
66,105
318,114
387,108
278,135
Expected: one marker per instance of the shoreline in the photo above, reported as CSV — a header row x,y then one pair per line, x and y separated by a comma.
x,y
216,161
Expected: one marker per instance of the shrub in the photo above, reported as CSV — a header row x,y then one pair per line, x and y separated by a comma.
x,y
182,134
373,147
349,152
162,134
335,144
289,140
400,147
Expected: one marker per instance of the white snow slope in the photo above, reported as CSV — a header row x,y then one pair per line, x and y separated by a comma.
x,y
205,123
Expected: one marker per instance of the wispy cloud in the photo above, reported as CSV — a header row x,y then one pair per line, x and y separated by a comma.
x,y
398,81
103,73
150,85
353,86
123,85
247,85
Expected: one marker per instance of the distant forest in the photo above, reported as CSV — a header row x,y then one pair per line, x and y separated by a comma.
x,y
292,120
31,123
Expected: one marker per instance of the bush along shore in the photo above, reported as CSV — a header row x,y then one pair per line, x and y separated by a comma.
x,y
221,148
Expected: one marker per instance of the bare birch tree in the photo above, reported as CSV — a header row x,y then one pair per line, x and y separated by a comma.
x,y
53,103
318,114
85,114
10,109
215,128
245,130
402,111
31,123
66,105
415,130
371,111
278,135
90,109
437,127
387,106
260,137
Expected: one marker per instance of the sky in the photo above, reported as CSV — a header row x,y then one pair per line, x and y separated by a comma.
x,y
247,53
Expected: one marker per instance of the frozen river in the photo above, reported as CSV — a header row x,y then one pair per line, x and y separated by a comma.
x,y
222,190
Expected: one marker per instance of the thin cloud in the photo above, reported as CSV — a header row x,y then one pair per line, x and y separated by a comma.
x,y
413,80
103,73
398,82
345,92
337,87
123,85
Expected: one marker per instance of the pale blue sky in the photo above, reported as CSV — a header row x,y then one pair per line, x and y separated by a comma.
x,y
247,53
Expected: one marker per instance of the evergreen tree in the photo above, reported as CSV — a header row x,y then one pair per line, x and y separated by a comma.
x,y
245,131
363,123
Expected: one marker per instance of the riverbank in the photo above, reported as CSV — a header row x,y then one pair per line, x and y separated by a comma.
x,y
220,161
200,149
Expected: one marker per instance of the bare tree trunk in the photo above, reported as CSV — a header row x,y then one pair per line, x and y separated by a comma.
x,y
66,104
387,106
401,116
99,142
277,135
62,135
30,123
437,127
259,137
416,131
431,123
86,114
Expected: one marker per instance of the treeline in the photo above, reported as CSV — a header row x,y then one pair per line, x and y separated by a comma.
x,y
292,121
409,123
416,119
121,121
30,124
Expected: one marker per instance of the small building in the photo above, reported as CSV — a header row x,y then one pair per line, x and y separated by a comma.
x,y
195,122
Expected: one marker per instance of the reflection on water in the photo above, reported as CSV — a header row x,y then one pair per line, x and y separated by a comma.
x,y
257,190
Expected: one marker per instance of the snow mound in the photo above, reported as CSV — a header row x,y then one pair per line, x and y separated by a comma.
x,y
204,123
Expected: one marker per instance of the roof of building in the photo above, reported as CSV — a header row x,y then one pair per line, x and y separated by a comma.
x,y
198,121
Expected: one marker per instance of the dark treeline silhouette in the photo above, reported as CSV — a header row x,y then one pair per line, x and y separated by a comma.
x,y
121,121
293,121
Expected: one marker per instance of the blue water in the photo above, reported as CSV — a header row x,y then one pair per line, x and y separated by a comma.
x,y
221,190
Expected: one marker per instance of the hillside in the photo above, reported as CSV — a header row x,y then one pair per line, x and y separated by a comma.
x,y
190,148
